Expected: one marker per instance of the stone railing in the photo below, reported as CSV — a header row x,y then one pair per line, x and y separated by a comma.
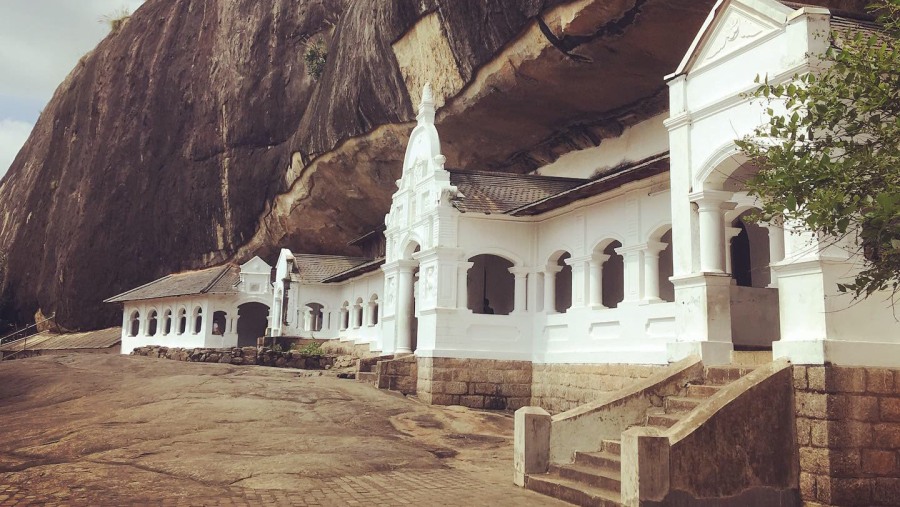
x,y
239,356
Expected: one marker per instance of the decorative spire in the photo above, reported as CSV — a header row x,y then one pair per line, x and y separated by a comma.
x,y
426,106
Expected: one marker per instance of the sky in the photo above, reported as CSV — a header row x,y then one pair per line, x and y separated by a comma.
x,y
40,43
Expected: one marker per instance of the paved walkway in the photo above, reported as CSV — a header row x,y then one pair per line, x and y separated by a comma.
x,y
419,488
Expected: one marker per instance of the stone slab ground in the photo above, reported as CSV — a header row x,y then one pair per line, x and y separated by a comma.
x,y
122,430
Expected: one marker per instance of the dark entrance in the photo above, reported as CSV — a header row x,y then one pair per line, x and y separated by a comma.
x,y
253,319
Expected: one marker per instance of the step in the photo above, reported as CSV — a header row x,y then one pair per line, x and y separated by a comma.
x,y
366,376
612,446
701,390
682,403
602,478
751,357
721,375
663,419
573,492
603,459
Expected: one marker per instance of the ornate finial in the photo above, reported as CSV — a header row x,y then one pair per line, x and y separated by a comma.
x,y
426,105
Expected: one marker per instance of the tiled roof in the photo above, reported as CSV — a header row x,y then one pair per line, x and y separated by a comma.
x,y
361,269
490,192
101,339
310,268
217,280
847,27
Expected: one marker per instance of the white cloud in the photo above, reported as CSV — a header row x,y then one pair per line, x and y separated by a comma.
x,y
13,134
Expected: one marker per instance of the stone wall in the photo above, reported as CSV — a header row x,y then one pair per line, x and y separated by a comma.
x,y
848,433
397,374
239,356
560,387
475,383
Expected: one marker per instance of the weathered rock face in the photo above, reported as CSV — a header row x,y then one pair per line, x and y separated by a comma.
x,y
194,134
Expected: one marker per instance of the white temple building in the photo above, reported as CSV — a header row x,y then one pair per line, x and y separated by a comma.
x,y
636,251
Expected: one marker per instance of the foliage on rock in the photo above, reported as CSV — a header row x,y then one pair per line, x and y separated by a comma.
x,y
829,155
316,55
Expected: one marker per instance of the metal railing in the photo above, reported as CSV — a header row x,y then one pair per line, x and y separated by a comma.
x,y
6,355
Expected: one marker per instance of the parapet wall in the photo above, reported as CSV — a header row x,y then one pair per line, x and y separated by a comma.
x,y
239,356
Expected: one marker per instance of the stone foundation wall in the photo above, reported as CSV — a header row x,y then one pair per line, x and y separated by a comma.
x,y
560,387
397,374
848,434
475,383
239,356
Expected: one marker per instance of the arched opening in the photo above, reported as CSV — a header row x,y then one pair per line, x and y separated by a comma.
x,y
152,323
167,322
219,321
253,319
182,321
666,268
613,274
373,310
134,323
491,287
749,253
314,316
563,297
358,313
198,320
345,315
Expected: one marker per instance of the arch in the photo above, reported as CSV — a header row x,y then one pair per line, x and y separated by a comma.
x,y
507,255
612,272
253,319
604,241
411,245
197,318
219,322
134,323
563,281
182,321
718,167
373,310
490,285
345,315
315,313
152,322
358,313
167,322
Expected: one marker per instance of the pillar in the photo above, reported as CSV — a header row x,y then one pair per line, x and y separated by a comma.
x,y
550,288
651,270
580,281
712,229
520,297
596,280
405,307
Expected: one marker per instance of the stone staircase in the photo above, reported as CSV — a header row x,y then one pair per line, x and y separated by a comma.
x,y
594,478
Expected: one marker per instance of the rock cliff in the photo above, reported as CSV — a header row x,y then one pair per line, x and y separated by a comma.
x,y
194,134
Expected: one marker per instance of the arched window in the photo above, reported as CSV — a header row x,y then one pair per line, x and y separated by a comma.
x,y
151,323
666,268
491,287
182,321
167,322
134,323
613,290
358,313
345,316
373,310
563,283
219,321
198,320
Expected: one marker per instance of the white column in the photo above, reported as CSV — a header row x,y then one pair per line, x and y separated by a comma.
x,y
776,240
596,281
404,308
520,297
633,267
730,234
651,270
712,229
580,282
550,288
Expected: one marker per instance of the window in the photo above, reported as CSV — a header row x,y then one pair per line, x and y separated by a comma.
x,y
491,287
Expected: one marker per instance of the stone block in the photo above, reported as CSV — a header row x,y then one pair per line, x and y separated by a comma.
x,y
516,390
472,401
517,376
815,378
455,388
890,409
845,463
823,489
887,491
514,403
851,492
852,406
815,461
531,443
878,462
495,402
807,486
424,397
842,434
818,432
812,405
799,373
845,379
880,381
444,399
887,435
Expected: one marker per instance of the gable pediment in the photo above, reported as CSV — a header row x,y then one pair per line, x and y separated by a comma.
x,y
731,26
255,266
